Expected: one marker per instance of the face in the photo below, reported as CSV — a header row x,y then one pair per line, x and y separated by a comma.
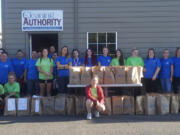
x,y
89,53
135,53
94,81
151,54
52,49
118,53
34,54
39,54
19,55
105,51
4,57
75,54
45,52
64,51
178,53
166,54
11,79
54,56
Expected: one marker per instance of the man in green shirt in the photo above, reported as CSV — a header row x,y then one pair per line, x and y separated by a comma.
x,y
135,60
12,88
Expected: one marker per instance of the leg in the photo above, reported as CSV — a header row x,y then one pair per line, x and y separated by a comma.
x,y
67,90
175,85
163,85
89,105
29,87
36,87
147,85
49,89
42,89
60,81
100,107
168,85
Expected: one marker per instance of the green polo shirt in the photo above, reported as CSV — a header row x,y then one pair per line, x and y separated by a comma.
x,y
45,65
135,61
10,88
115,62
1,90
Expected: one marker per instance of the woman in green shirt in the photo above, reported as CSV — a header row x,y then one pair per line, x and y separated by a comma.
x,y
12,88
119,59
45,68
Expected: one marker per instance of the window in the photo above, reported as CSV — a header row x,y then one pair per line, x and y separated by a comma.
x,y
96,42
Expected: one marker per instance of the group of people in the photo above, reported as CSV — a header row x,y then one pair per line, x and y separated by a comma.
x,y
39,72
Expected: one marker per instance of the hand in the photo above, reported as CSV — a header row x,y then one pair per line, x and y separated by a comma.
x,y
25,80
171,79
144,70
154,78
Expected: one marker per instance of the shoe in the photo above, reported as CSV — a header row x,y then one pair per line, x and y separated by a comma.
x,y
89,116
97,114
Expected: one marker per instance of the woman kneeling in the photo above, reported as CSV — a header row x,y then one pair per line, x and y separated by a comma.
x,y
94,98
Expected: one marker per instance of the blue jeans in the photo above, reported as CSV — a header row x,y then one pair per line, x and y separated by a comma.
x,y
166,84
32,87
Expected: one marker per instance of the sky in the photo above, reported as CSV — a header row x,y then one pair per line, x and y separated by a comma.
x,y
0,18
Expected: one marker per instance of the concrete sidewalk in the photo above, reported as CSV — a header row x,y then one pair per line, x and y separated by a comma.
x,y
69,125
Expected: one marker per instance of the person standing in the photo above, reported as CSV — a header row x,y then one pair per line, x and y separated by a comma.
x,y
119,59
19,68
135,60
104,60
166,73
152,66
5,68
76,60
52,50
176,76
45,67
31,75
90,59
63,62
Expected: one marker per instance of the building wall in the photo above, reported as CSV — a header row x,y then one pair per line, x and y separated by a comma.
x,y
139,23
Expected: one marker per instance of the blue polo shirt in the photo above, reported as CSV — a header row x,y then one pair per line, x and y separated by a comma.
x,y
19,66
166,68
105,61
63,61
50,55
176,62
32,71
151,65
5,68
77,62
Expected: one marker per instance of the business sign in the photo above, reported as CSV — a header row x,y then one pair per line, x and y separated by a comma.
x,y
42,20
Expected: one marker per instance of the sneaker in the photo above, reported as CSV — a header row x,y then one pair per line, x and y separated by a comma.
x,y
89,116
97,114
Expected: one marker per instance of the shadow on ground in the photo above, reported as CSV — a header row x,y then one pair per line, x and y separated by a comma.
x,y
101,120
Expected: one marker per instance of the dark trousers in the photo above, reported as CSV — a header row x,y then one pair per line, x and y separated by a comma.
x,y
176,84
32,87
150,85
62,84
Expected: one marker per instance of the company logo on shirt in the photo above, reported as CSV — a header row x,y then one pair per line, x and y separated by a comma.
x,y
167,63
22,62
6,66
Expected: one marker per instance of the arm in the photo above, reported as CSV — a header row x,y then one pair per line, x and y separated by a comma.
x,y
25,75
60,66
172,72
43,72
156,73
101,95
12,94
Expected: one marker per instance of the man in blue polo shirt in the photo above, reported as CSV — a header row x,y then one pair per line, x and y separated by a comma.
x,y
166,73
104,60
31,74
176,78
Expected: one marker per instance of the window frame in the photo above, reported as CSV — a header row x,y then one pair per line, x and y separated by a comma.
x,y
97,33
